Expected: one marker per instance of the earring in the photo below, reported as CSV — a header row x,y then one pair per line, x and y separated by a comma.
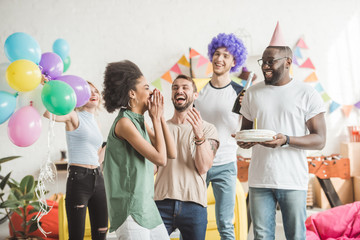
x,y
129,104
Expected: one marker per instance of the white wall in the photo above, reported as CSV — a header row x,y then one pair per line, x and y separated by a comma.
x,y
154,34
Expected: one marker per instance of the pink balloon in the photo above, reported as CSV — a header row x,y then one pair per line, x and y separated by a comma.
x,y
24,126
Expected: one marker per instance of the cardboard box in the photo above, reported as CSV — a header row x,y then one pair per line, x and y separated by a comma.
x,y
351,150
344,189
357,188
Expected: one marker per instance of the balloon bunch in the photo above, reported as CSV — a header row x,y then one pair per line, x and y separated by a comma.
x,y
62,48
60,95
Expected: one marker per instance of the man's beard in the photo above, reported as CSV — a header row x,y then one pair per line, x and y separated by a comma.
x,y
189,101
275,78
182,107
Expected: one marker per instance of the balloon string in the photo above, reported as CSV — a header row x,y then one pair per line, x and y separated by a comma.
x,y
47,174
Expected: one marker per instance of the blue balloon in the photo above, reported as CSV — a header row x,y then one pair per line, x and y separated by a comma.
x,y
7,105
61,48
22,46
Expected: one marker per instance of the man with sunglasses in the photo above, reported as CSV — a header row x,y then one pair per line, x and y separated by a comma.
x,y
278,170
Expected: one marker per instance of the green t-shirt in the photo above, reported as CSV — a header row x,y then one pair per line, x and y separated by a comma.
x,y
129,179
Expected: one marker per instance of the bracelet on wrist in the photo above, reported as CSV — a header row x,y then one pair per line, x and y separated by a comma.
x,y
199,139
198,143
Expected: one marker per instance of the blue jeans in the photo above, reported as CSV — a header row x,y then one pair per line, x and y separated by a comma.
x,y
223,180
189,217
263,209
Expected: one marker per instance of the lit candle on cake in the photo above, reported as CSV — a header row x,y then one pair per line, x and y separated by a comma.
x,y
255,123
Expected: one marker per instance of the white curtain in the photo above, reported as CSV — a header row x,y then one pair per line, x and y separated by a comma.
x,y
343,83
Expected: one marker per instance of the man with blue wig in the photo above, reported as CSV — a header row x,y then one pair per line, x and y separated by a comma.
x,y
227,53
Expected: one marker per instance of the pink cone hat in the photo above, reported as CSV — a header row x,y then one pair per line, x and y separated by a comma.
x,y
277,38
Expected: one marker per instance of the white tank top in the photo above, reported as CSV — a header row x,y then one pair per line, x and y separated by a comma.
x,y
84,142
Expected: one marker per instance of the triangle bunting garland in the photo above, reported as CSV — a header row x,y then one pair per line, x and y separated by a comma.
x,y
301,44
157,84
347,109
297,52
209,69
202,61
167,77
201,82
313,79
184,61
357,105
294,60
325,97
193,53
319,88
201,67
176,69
307,64
333,106
182,66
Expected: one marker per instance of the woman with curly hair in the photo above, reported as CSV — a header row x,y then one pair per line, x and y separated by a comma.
x,y
227,53
132,150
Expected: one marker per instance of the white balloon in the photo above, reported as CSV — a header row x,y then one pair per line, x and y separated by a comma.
x,y
25,98
4,86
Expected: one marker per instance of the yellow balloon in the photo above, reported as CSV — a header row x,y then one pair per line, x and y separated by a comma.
x,y
23,75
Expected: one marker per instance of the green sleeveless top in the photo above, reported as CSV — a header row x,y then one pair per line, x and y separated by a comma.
x,y
129,179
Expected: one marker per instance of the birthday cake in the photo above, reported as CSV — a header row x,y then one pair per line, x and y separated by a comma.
x,y
255,135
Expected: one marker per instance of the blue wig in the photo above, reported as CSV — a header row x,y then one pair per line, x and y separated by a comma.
x,y
233,45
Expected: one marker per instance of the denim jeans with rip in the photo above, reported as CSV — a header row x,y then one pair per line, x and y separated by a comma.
x,y
85,189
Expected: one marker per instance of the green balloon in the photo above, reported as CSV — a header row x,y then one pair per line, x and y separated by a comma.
x,y
58,97
66,62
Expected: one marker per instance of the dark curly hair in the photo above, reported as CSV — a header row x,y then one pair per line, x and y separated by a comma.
x,y
120,78
232,44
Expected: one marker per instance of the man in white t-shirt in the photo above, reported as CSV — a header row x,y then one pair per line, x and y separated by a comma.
x,y
278,170
180,186
215,102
